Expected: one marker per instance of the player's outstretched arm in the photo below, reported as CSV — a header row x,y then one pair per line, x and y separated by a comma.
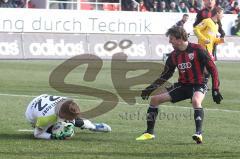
x,y
87,124
165,75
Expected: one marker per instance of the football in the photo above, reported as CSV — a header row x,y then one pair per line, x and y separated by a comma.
x,y
63,127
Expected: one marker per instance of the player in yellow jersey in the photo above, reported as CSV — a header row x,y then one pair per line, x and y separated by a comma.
x,y
207,31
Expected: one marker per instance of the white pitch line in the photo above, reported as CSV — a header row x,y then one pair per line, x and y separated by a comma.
x,y
162,105
16,95
25,130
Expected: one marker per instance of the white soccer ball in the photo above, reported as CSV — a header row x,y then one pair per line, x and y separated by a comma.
x,y
60,127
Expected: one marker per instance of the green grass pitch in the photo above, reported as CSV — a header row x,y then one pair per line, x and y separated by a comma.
x,y
21,80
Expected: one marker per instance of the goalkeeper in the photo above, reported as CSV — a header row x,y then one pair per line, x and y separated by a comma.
x,y
46,110
207,31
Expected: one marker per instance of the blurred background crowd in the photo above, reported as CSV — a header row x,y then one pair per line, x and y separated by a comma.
x,y
179,6
186,6
16,4
182,6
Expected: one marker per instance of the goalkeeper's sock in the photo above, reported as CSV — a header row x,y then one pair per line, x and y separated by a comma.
x,y
152,113
198,118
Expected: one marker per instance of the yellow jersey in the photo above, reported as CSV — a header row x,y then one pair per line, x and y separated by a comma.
x,y
207,30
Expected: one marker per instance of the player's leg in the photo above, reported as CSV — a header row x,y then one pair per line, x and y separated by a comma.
x,y
174,94
198,96
198,110
152,114
153,109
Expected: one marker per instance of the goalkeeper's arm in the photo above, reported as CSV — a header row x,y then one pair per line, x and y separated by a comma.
x,y
41,134
84,123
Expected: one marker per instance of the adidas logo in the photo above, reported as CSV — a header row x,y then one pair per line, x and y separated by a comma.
x,y
198,118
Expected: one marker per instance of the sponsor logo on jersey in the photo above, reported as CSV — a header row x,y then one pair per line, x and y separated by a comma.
x,y
183,66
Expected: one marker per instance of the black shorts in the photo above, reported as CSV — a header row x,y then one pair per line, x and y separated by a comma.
x,y
179,91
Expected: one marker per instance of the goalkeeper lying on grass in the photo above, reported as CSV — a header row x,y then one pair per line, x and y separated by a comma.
x,y
47,113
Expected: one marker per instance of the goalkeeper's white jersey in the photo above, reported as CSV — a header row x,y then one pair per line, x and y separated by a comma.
x,y
41,110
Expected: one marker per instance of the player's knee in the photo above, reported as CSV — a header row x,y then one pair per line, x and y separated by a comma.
x,y
196,103
156,100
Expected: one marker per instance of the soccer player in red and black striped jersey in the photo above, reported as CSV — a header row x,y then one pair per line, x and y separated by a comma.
x,y
190,59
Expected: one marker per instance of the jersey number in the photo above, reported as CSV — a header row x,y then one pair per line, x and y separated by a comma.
x,y
39,103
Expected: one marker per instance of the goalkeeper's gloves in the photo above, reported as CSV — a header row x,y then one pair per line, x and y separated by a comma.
x,y
148,90
216,95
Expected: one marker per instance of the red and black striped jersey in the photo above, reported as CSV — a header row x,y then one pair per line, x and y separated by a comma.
x,y
190,64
